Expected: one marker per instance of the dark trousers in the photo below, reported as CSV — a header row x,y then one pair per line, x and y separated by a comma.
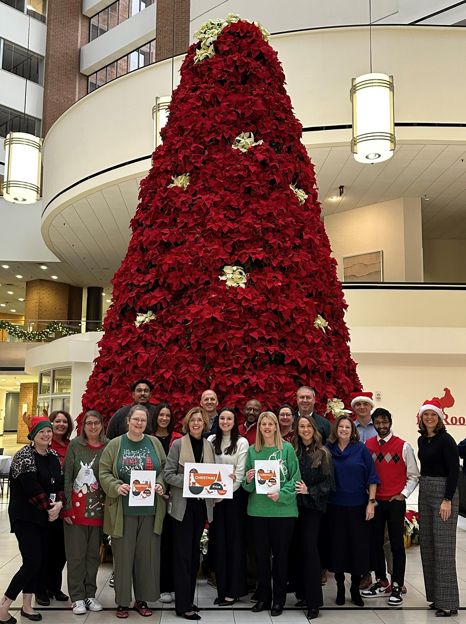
x,y
33,543
56,559
228,537
272,536
309,575
187,536
393,515
167,583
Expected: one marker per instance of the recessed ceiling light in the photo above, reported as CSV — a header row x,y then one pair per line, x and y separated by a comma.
x,y
5,266
2,304
334,198
12,310
3,379
54,277
108,300
10,292
44,266
18,383
20,299
19,276
426,198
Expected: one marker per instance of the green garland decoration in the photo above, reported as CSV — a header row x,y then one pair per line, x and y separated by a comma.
x,y
36,336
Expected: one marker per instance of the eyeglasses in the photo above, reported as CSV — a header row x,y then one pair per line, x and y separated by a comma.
x,y
196,421
139,421
92,424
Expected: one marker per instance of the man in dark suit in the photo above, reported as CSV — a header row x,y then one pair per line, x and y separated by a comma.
x,y
306,398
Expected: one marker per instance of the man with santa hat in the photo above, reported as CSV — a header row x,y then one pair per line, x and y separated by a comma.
x,y
362,403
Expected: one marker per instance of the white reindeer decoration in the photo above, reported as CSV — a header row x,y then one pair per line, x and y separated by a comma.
x,y
85,479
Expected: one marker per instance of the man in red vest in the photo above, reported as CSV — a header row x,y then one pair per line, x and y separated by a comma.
x,y
399,475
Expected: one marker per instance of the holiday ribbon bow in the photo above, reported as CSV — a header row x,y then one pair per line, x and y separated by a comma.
x,y
209,31
182,181
244,141
320,323
300,194
234,276
144,318
337,407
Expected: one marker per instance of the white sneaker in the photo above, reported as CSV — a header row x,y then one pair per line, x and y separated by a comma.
x,y
93,605
166,597
79,607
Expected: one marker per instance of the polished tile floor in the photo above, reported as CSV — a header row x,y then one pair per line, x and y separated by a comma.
x,y
376,612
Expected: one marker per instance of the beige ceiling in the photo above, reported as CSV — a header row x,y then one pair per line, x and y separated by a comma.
x,y
93,233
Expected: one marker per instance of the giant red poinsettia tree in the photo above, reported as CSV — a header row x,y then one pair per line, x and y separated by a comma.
x,y
228,282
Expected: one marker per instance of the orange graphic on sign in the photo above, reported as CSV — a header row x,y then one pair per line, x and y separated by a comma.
x,y
212,482
267,477
142,489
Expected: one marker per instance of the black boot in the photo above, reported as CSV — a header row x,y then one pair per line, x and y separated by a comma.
x,y
340,579
354,590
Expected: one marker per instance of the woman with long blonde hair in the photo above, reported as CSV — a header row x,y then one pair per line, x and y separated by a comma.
x,y
272,516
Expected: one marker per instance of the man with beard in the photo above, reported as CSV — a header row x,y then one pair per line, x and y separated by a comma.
x,y
248,429
141,389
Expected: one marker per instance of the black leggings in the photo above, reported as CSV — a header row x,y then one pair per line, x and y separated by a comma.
x,y
32,541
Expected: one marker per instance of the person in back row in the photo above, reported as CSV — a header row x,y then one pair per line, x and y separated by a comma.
x,y
252,412
397,470
209,402
142,390
306,398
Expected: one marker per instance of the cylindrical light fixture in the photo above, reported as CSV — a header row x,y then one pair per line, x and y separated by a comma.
x,y
160,117
23,154
373,118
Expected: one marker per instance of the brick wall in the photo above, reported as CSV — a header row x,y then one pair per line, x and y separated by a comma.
x,y
67,31
27,394
170,42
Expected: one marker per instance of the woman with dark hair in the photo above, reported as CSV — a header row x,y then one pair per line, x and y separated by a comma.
x,y
438,509
49,586
163,424
62,430
189,514
286,419
349,508
84,512
317,481
272,516
228,531
36,499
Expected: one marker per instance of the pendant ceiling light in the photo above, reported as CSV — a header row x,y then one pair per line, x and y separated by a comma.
x,y
160,116
373,113
22,168
23,156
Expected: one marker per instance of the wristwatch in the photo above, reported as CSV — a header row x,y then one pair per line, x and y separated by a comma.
x,y
372,500
447,499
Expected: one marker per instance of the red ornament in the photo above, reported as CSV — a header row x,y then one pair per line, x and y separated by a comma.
x,y
238,210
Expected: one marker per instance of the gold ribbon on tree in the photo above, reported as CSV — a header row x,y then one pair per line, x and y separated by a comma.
x,y
181,181
300,194
337,407
320,323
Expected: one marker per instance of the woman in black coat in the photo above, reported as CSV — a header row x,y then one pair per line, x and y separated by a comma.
x,y
36,499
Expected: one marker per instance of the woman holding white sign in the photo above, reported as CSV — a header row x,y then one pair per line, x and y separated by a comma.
x,y
228,531
134,513
272,471
189,514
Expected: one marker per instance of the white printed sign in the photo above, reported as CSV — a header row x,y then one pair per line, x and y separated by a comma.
x,y
267,476
142,484
208,481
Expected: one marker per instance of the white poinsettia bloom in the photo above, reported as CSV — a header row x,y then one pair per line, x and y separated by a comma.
x,y
320,323
234,276
244,141
300,194
144,318
182,181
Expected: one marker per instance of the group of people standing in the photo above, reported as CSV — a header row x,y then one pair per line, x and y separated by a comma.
x,y
334,480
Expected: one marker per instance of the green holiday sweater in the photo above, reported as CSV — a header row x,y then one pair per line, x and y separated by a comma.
x,y
85,499
260,504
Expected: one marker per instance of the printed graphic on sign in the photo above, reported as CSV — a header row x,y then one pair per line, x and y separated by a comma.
x,y
208,481
267,476
142,484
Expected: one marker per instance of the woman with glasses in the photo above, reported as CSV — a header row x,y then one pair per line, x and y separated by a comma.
x,y
286,420
190,514
135,529
84,512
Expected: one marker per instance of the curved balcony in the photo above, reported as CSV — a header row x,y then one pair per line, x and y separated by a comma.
x,y
96,153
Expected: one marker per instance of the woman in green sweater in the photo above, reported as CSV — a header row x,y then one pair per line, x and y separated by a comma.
x,y
135,530
272,516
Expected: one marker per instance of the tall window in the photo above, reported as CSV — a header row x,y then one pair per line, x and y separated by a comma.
x,y
14,121
115,14
19,61
34,8
143,56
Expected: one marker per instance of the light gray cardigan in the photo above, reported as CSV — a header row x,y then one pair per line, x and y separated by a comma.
x,y
180,453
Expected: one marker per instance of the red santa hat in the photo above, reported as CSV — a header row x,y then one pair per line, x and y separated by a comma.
x,y
362,396
434,405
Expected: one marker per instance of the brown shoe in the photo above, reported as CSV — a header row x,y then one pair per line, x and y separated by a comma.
x,y
366,581
324,577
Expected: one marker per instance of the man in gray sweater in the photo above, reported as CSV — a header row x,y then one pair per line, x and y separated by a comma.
x,y
141,389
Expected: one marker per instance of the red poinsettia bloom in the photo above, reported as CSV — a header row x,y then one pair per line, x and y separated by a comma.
x,y
238,210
